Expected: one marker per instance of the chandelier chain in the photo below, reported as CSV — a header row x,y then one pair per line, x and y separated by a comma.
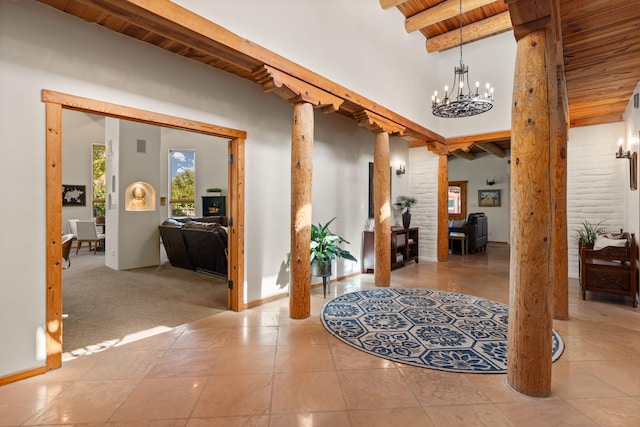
x,y
461,33
461,101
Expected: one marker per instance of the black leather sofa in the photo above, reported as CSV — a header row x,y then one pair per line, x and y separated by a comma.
x,y
476,228
198,244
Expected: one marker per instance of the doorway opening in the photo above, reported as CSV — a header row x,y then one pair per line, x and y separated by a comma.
x,y
55,102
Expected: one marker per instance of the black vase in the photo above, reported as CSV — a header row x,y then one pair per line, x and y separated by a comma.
x,y
406,219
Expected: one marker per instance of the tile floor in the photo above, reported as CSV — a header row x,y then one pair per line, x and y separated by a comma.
x,y
260,368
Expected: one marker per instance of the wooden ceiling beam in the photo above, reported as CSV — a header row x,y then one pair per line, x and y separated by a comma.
x,y
483,137
478,30
492,148
387,4
528,16
441,12
464,155
293,90
376,123
222,48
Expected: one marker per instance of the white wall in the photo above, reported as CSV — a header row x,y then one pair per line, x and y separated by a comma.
x,y
632,139
79,131
132,239
489,60
596,182
42,48
369,50
386,54
476,172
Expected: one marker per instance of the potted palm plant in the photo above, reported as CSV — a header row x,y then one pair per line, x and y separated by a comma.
x,y
324,248
405,203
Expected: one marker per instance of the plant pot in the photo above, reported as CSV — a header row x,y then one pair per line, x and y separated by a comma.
x,y
320,269
406,219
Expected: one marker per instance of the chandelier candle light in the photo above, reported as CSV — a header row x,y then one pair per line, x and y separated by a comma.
x,y
461,101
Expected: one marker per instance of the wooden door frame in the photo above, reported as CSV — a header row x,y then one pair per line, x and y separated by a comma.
x,y
55,102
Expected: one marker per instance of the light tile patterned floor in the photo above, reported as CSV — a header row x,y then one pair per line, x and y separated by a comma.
x,y
261,368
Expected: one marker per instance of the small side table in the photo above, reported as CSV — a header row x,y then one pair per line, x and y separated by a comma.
x,y
464,242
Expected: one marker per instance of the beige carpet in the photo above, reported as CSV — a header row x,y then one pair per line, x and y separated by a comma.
x,y
103,307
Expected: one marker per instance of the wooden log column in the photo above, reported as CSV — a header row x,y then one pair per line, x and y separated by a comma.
x,y
532,209
443,212
560,241
301,170
381,191
382,210
304,97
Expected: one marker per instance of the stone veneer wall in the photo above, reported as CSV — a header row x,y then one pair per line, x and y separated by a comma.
x,y
423,185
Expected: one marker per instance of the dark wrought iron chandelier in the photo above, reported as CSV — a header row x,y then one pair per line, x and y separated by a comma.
x,y
461,101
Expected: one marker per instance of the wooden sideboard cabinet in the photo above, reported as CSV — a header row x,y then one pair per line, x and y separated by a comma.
x,y
611,270
404,248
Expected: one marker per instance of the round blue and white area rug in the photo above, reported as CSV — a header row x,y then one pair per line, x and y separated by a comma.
x,y
425,328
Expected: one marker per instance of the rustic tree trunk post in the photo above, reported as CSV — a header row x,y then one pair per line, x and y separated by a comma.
x,y
560,241
443,211
303,97
532,208
382,210
301,171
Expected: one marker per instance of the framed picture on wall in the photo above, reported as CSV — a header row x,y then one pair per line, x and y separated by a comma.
x,y
74,195
488,198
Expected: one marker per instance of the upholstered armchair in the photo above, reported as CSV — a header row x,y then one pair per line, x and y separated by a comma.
x,y
475,227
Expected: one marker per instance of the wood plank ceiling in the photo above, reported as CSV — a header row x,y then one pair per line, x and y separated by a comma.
x,y
600,40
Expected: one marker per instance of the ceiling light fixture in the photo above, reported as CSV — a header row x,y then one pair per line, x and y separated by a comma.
x,y
461,101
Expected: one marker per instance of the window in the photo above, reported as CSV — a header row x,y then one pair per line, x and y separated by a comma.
x,y
99,171
457,203
182,172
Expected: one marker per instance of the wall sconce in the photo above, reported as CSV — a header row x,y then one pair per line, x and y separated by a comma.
x,y
401,169
633,163
491,181
621,154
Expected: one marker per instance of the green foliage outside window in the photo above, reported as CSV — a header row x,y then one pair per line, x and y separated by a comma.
x,y
99,179
183,193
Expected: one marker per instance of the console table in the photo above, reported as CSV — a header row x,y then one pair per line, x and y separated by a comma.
x,y
404,248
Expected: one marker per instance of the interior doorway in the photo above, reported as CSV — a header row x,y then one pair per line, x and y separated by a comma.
x,y
55,102
457,200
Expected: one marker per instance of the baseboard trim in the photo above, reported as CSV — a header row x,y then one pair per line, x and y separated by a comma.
x,y
276,297
22,375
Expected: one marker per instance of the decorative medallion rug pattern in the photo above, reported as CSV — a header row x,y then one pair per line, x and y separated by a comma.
x,y
425,328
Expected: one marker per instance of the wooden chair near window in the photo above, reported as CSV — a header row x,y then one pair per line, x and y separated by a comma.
x,y
73,227
88,233
100,222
